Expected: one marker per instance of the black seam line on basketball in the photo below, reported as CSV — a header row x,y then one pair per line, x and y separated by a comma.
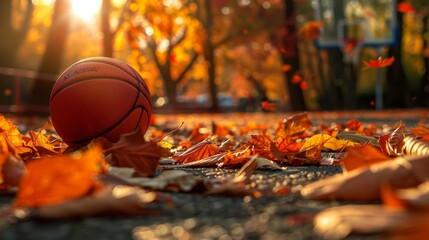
x,y
100,60
112,63
140,117
110,128
100,77
133,71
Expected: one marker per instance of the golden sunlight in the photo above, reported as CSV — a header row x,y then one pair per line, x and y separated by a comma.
x,y
86,9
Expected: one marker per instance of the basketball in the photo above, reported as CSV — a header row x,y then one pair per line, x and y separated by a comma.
x,y
99,97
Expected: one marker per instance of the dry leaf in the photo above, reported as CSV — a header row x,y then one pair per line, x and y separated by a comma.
x,y
297,124
199,151
110,200
393,143
362,156
132,151
365,183
327,141
54,180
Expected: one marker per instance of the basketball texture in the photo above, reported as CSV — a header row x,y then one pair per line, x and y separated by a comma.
x,y
99,97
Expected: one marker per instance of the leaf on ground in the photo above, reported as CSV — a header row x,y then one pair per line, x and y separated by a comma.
x,y
327,141
11,170
420,131
109,200
297,124
132,151
42,144
392,144
390,199
53,180
201,150
173,180
362,156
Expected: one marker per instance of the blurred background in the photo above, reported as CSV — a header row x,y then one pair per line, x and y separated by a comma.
x,y
225,55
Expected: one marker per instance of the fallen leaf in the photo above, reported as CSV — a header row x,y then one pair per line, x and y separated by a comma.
x,y
362,156
54,180
132,151
203,149
297,124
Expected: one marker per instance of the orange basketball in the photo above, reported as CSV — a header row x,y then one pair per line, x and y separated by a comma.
x,y
99,97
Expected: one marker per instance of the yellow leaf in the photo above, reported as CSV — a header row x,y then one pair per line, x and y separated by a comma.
x,y
328,142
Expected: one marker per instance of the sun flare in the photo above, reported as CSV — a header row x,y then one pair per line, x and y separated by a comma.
x,y
86,9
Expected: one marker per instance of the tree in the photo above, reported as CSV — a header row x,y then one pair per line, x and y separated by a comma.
x,y
164,36
289,50
52,58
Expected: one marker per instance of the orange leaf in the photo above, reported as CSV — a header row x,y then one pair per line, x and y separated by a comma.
x,y
199,151
420,131
297,124
379,63
268,106
54,180
390,199
405,7
42,144
296,79
286,68
362,156
311,30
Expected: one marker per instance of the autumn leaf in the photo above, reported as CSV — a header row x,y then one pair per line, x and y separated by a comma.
x,y
362,156
297,124
392,144
405,7
311,30
420,131
54,180
327,141
11,170
379,63
42,144
132,151
286,68
109,200
296,79
268,106
390,198
199,151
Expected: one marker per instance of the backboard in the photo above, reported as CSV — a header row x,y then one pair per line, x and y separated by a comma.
x,y
366,22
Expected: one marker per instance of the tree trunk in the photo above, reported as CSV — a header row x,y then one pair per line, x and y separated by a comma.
x,y
290,57
397,88
52,59
331,94
12,38
209,56
106,29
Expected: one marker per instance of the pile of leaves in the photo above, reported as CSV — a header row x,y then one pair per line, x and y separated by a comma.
x,y
53,180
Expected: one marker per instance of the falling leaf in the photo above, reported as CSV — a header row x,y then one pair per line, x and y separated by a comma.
x,y
362,156
296,79
268,106
303,85
405,7
379,63
199,151
311,30
54,180
286,68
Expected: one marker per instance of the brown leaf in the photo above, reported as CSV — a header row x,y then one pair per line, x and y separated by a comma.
x,y
42,144
110,200
393,143
362,156
199,151
297,124
132,151
11,170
